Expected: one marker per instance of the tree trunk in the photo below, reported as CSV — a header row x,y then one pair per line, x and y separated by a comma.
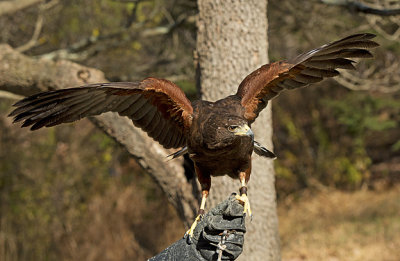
x,y
231,43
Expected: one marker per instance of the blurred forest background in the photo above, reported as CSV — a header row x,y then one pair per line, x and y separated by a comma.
x,y
72,193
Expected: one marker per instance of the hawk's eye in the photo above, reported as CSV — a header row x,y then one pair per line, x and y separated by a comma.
x,y
232,127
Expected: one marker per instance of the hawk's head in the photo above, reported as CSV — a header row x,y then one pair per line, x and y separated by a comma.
x,y
220,132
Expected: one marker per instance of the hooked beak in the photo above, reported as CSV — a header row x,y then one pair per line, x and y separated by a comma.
x,y
244,131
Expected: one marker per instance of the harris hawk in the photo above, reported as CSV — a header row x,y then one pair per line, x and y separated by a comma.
x,y
216,135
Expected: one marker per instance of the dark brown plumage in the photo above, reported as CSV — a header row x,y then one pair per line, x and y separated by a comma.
x,y
216,135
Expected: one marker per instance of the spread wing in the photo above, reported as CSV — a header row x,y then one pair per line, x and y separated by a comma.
x,y
157,106
311,67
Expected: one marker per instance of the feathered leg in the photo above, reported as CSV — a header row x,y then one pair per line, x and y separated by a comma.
x,y
205,182
244,178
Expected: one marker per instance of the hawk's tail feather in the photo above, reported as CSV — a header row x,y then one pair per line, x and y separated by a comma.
x,y
178,153
262,151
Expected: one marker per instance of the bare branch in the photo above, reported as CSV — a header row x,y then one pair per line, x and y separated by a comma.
x,y
36,33
132,16
357,6
10,7
383,75
88,47
9,95
372,78
127,1
48,5
22,75
388,27
38,27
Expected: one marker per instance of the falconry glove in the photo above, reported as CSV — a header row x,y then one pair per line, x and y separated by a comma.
x,y
219,233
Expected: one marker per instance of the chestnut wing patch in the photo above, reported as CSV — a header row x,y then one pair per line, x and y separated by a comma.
x,y
157,106
269,80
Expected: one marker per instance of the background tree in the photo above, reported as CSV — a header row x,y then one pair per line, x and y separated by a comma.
x,y
231,43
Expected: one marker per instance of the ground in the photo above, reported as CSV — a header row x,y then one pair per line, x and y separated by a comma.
x,y
335,225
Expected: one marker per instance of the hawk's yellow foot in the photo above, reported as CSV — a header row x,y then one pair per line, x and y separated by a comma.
x,y
244,200
189,233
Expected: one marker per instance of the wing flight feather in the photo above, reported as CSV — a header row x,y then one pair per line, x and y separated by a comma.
x,y
157,106
313,66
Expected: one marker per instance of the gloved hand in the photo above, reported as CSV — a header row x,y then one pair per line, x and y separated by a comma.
x,y
220,230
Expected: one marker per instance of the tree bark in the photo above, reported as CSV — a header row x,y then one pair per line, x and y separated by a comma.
x,y
9,7
22,75
231,43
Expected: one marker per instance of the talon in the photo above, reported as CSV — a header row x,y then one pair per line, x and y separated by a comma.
x,y
189,234
188,238
244,200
